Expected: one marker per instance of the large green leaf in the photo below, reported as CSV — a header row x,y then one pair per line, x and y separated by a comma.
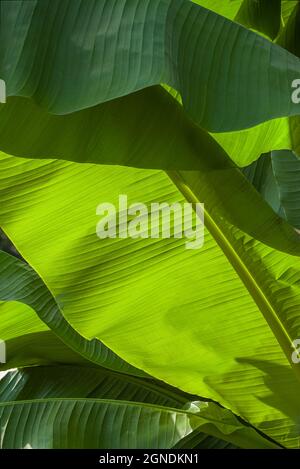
x,y
199,149
223,88
124,293
85,136
41,382
49,383
100,423
19,282
150,299
163,137
279,134
46,135
246,146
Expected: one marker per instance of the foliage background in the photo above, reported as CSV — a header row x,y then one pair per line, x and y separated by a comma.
x,y
124,343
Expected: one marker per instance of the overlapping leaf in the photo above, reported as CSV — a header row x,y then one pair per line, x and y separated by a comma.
x,y
19,282
156,295
154,400
152,294
61,47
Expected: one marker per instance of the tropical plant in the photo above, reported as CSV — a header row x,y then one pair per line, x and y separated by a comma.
x,y
141,343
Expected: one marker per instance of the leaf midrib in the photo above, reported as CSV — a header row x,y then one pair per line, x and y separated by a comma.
x,y
264,305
